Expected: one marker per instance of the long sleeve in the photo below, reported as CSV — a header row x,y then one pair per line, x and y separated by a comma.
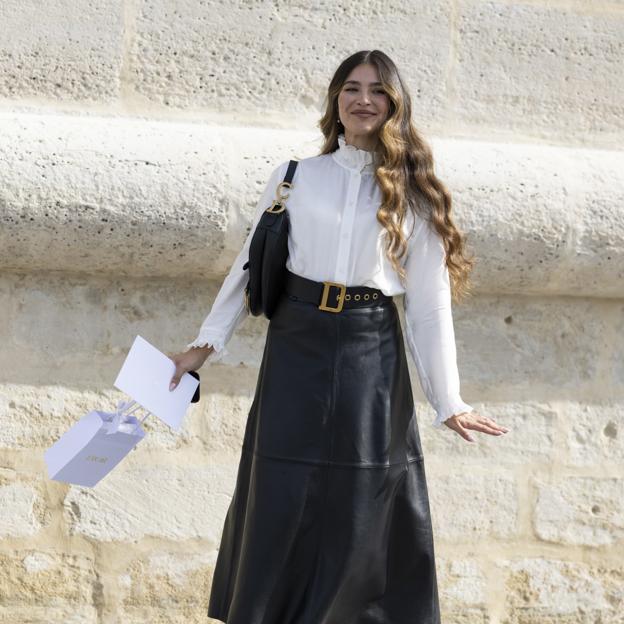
x,y
429,323
228,309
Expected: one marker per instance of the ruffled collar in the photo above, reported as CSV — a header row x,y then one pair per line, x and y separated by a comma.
x,y
353,157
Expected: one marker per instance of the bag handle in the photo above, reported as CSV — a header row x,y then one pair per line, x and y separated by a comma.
x,y
286,183
120,413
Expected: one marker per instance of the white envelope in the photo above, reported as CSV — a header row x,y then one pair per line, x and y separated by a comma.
x,y
145,376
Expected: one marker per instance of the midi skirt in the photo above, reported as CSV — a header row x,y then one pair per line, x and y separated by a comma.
x,y
329,522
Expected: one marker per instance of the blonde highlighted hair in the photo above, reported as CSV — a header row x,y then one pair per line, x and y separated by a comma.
x,y
404,171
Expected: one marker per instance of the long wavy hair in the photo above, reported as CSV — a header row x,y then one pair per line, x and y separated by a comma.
x,y
404,171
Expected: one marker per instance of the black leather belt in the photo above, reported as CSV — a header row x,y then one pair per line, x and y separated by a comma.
x,y
331,296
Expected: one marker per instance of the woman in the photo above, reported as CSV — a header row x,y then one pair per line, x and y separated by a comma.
x,y
329,522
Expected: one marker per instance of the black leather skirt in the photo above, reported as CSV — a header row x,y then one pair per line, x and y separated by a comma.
x,y
329,522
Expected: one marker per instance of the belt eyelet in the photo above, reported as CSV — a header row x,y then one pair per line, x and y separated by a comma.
x,y
375,295
367,296
356,297
347,297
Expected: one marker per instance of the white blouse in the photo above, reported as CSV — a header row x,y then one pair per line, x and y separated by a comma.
x,y
335,236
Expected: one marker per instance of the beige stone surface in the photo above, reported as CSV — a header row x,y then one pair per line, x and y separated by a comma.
x,y
137,137
558,591
474,504
91,323
23,509
555,74
553,59
463,588
540,348
48,585
595,435
586,511
174,64
61,53
169,502
167,587
48,615
541,219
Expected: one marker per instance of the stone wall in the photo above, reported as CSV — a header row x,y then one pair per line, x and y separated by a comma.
x,y
136,138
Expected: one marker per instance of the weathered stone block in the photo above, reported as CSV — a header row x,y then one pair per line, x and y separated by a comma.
x,y
54,52
553,73
561,592
463,590
475,504
165,202
44,587
580,510
89,329
553,226
525,347
167,586
193,56
594,434
175,502
22,508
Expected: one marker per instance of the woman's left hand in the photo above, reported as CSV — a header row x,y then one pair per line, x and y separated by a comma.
x,y
473,420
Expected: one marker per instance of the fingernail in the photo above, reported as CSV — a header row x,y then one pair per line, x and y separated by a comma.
x,y
171,386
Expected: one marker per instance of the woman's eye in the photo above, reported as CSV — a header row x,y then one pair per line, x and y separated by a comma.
x,y
379,91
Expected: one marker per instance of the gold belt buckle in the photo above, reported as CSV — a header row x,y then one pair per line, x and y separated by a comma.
x,y
341,296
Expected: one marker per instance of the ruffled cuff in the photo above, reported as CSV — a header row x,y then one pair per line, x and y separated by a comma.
x,y
451,409
218,344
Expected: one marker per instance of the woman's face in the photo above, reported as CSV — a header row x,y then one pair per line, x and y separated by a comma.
x,y
362,91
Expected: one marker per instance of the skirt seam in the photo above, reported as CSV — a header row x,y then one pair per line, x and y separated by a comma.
x,y
321,462
326,463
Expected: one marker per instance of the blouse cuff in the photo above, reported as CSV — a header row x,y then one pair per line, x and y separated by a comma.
x,y
451,409
206,339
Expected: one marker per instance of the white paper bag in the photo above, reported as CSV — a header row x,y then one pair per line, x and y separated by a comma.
x,y
88,451
100,440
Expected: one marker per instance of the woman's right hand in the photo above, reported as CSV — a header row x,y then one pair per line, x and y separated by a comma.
x,y
190,360
473,420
